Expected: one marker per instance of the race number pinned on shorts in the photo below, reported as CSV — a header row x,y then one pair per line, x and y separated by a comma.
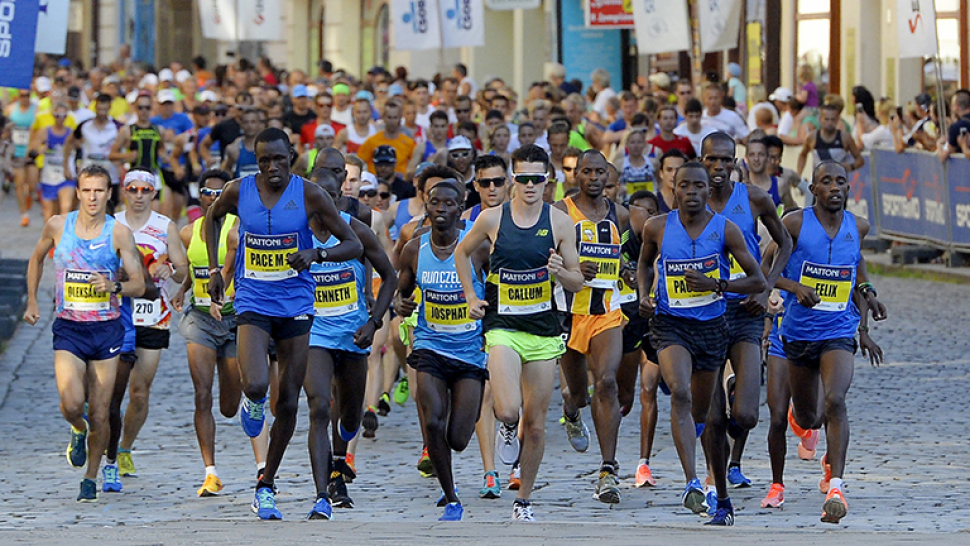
x,y
266,256
336,292
79,295
524,292
146,312
607,258
678,295
20,136
832,283
447,311
53,172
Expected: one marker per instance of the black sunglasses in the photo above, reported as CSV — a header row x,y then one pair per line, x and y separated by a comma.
x,y
498,182
535,178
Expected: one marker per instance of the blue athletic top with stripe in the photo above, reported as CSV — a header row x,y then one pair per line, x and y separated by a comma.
x,y
75,259
339,303
265,283
443,323
473,215
827,264
738,210
246,164
678,253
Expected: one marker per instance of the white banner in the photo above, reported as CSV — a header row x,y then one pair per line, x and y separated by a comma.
x,y
661,26
498,5
916,21
52,26
218,19
260,20
462,22
720,21
415,24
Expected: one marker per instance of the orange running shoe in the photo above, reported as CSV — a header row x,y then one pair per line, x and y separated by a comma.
x,y
350,462
515,478
24,221
806,448
644,477
835,506
775,497
823,484
797,430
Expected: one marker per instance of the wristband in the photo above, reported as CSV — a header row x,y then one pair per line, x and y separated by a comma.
x,y
722,286
863,329
215,270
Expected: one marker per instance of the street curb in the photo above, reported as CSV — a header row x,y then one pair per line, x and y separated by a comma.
x,y
910,272
15,352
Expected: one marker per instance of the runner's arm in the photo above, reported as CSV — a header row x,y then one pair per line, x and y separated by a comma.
x,y
753,282
481,232
779,235
807,147
320,205
226,204
649,247
850,145
379,261
205,148
35,266
569,274
177,255
131,262
122,142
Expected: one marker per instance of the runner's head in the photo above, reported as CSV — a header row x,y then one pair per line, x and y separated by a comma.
x,y
592,173
828,117
527,134
692,186
530,172
444,203
670,161
438,130
251,122
830,185
433,174
717,154
757,156
327,181
361,112
491,180
636,142
60,114
558,139
646,200
332,160
668,118
353,180
273,155
102,106
210,187
569,158
141,186
93,190
773,149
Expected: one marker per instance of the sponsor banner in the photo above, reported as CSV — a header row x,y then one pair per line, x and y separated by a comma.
x,y
661,26
912,195
916,25
958,178
720,21
462,23
415,24
260,20
586,49
218,19
500,5
609,13
861,202
18,29
52,18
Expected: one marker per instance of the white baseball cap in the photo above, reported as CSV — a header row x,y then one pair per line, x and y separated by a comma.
x,y
166,95
183,75
323,130
148,80
42,84
782,94
208,96
166,75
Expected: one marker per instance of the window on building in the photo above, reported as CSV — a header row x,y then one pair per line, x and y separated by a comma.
x,y
948,38
812,42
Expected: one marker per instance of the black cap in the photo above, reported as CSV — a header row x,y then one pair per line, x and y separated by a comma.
x,y
201,110
74,92
385,154
923,99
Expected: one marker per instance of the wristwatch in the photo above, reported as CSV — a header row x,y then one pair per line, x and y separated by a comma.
x,y
117,288
722,286
321,254
214,270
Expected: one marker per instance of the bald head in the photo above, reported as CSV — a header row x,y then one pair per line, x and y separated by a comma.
x,y
327,180
332,160
721,140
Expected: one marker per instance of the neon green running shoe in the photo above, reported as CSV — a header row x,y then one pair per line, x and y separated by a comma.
x,y
401,392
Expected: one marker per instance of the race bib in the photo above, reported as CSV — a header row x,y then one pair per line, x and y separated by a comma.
x,y
607,257
736,271
524,292
678,295
633,187
447,311
20,136
52,174
146,312
200,286
832,283
79,295
336,292
97,159
266,256
627,294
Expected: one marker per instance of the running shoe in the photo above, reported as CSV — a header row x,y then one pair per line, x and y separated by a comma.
x,y
710,499
211,486
126,467
370,422
343,466
264,504
492,488
425,466
259,478
775,497
384,405
321,510
507,440
442,500
823,484
522,511
110,481
77,448
723,516
607,490
644,477
252,416
835,506
88,492
736,479
350,464
577,433
25,220
453,512
693,497
515,478
402,391
337,489
806,447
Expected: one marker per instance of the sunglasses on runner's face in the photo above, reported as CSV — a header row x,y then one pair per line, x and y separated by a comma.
x,y
498,182
138,189
534,178
144,107
460,155
209,192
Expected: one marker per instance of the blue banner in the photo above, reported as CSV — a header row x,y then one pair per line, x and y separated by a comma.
x,y
912,200
861,202
18,29
958,178
586,49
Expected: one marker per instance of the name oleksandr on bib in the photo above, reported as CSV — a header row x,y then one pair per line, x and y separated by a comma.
x,y
832,283
335,293
607,258
524,292
79,295
447,311
678,295
266,256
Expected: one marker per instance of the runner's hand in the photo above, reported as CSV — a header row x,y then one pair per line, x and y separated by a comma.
x,y
806,296
216,293
775,306
405,306
32,314
648,306
756,304
476,307
100,282
161,271
876,309
364,336
215,310
629,277
698,282
555,262
589,269
303,259
178,299
871,349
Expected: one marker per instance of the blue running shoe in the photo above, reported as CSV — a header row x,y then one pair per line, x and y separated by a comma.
x,y
736,479
111,481
453,512
77,449
711,500
252,416
442,501
724,516
321,510
693,497
88,491
264,504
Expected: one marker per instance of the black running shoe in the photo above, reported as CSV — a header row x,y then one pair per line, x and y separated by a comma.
x,y
384,405
338,491
370,423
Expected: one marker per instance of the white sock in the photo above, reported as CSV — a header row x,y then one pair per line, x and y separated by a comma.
x,y
260,465
641,461
110,462
835,483
211,470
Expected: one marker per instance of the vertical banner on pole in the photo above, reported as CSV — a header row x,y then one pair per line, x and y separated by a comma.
x,y
52,18
415,24
720,21
916,23
259,20
218,19
19,21
661,26
462,23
